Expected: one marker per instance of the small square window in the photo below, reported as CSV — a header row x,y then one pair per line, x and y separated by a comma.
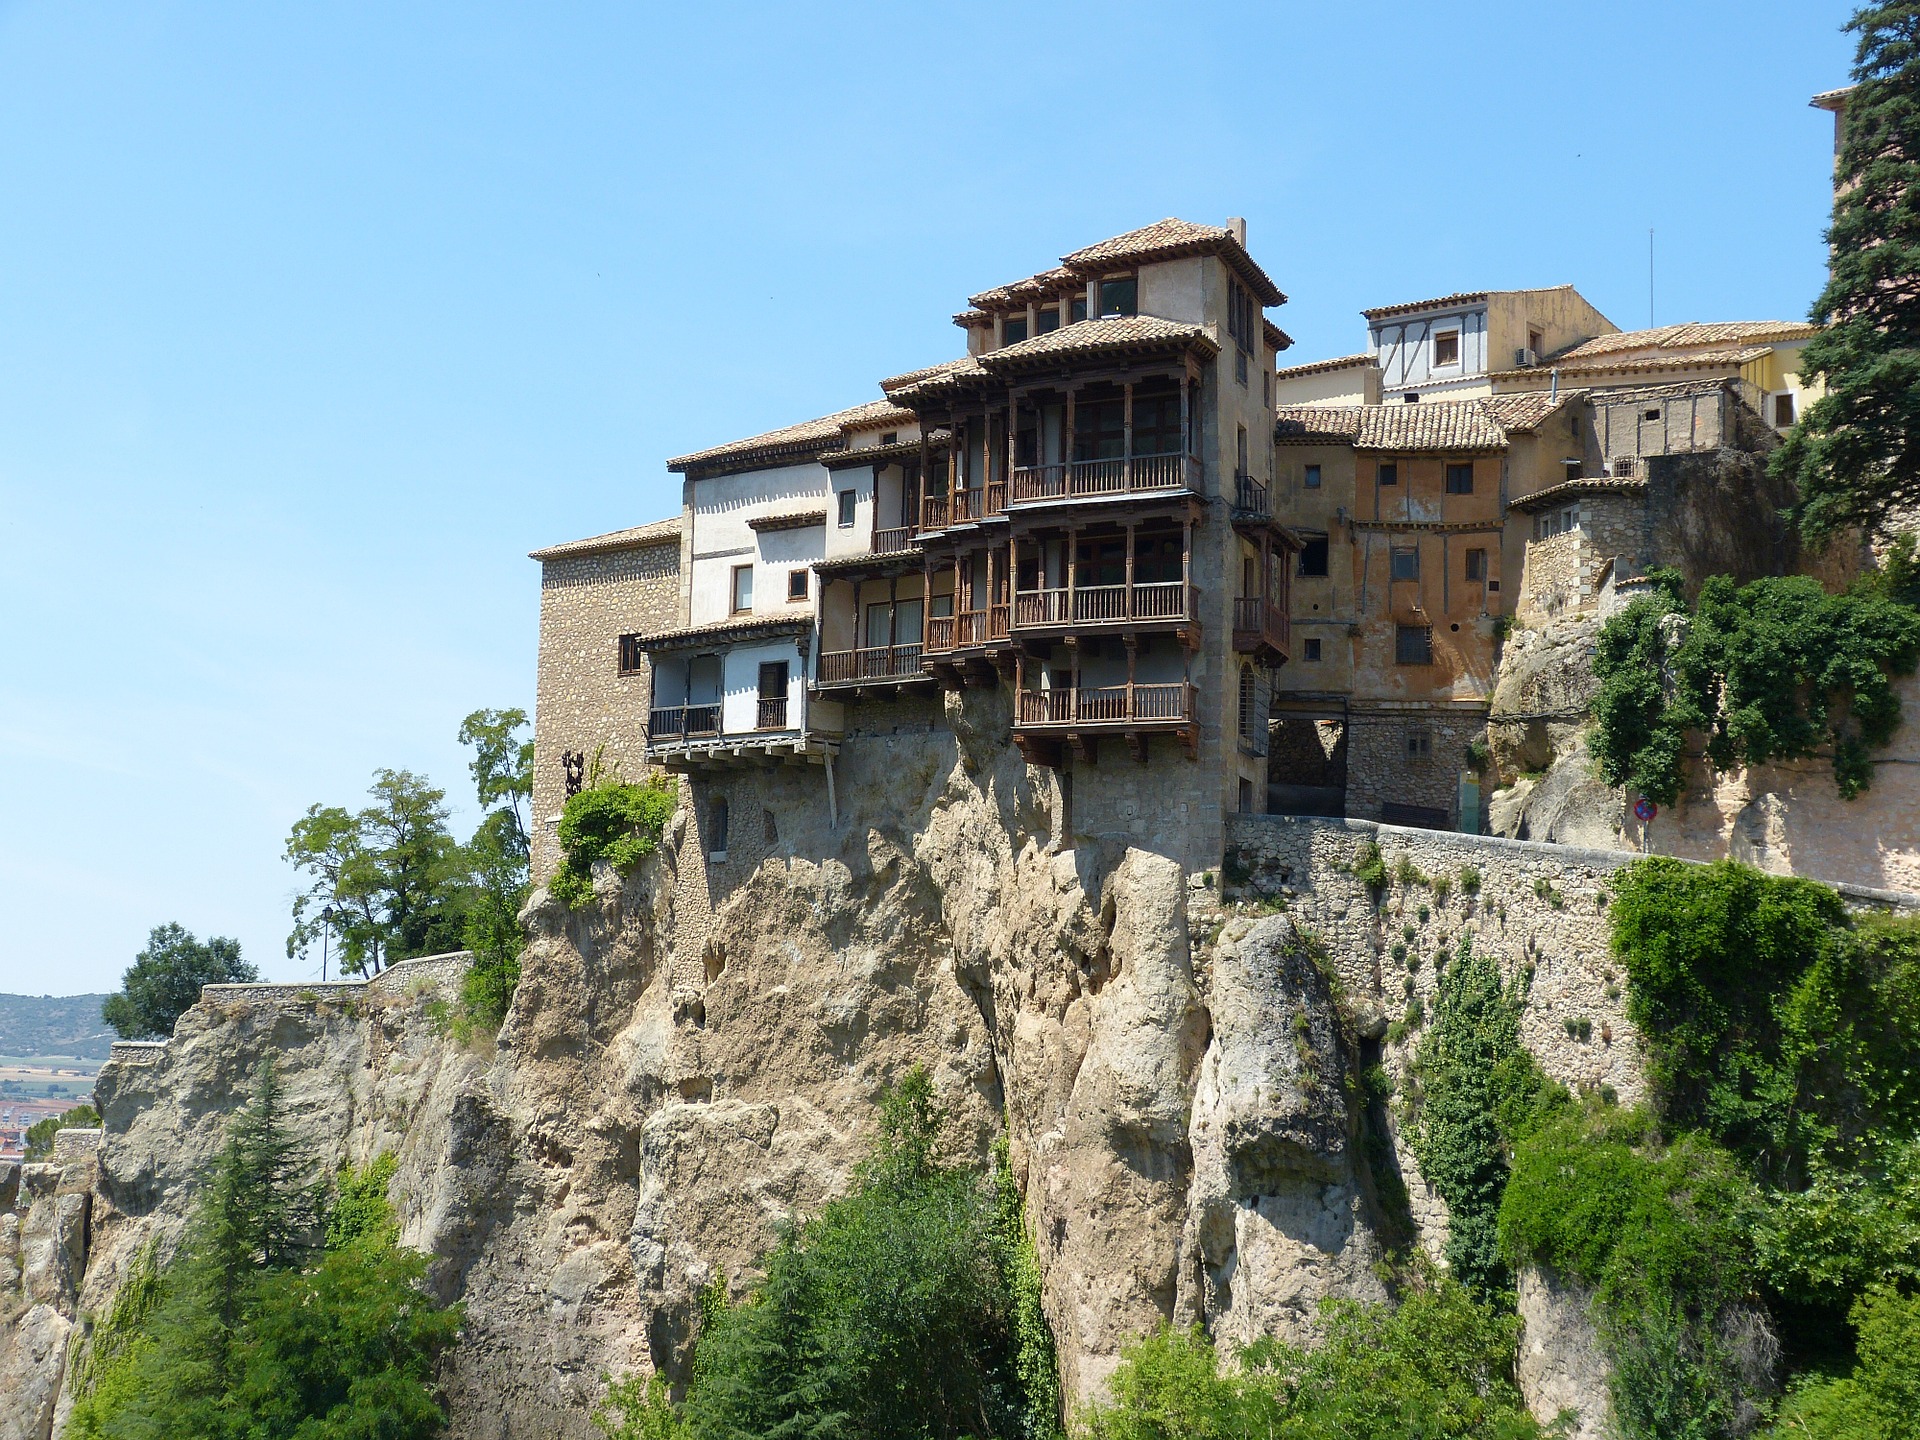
x,y
1119,296
1049,320
1446,347
1313,477
1405,562
742,589
1389,474
1311,650
848,499
1653,414
1419,744
1313,555
1412,397
1476,564
1783,410
1460,479
1013,329
1077,308
796,584
891,437
1413,644
632,658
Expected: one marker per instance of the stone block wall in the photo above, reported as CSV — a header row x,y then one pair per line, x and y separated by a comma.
x,y
1381,767
582,701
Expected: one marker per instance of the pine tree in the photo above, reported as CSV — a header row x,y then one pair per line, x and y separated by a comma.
x,y
1855,454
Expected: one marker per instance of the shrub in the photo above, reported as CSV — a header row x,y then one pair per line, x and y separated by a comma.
x,y
1369,868
40,1134
615,822
1879,1399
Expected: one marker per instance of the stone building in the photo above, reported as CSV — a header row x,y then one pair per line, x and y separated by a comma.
x,y
1077,512
598,596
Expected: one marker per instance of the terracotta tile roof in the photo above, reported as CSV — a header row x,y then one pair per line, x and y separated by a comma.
x,y
881,454
1276,337
741,628
1441,425
1523,413
1694,334
1459,297
794,442
1573,489
880,415
1647,364
788,520
1035,287
929,372
1168,239
1121,332
1831,99
660,532
1323,367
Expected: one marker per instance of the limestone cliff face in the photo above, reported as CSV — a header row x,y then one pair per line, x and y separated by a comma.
x,y
695,1056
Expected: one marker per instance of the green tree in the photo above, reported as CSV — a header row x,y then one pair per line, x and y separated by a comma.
x,y
1855,454
165,978
502,765
387,882
40,1134
1880,1399
496,861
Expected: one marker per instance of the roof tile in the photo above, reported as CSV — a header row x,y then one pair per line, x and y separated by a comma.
x,y
658,533
793,441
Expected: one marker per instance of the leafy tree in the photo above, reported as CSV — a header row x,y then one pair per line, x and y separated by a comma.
x,y
611,821
1881,1398
389,881
1435,1364
889,1314
40,1134
1773,669
254,1332
502,765
165,978
1855,454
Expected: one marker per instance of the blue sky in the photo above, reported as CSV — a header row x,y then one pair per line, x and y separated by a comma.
x,y
315,319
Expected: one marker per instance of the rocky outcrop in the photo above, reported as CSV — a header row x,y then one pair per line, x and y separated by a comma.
x,y
1562,1367
45,1211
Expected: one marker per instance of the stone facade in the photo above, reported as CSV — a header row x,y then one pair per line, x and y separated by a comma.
x,y
591,593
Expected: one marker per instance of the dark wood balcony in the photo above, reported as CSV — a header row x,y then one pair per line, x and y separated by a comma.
x,y
771,714
892,539
872,665
683,722
1035,484
963,507
1260,628
1100,607
968,630
1080,715
1251,498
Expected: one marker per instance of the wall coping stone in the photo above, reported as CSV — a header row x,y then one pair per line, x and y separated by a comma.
x,y
1540,849
401,973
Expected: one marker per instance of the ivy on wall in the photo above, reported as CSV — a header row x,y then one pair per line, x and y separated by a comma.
x,y
1774,669
618,823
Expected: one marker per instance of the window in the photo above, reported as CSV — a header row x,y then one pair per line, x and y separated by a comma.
x,y
717,828
1156,420
848,499
1119,296
1246,797
742,588
1266,389
796,584
1312,650
1783,410
632,658
1313,477
1240,451
1413,644
1476,564
891,437
1313,555
1460,479
1411,397
1249,709
1405,562
772,713
1653,414
1077,308
1446,347
1419,744
1536,342
1013,329
1389,474
1556,522
1049,320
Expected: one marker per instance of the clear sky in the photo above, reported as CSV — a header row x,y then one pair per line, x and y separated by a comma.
x,y
315,319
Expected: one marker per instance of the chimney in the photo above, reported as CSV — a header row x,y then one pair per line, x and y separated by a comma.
x,y
1237,227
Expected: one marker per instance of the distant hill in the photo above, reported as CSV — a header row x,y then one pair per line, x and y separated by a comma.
x,y
54,1025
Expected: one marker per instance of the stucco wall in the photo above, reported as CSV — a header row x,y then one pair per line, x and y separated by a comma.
x,y
722,538
582,701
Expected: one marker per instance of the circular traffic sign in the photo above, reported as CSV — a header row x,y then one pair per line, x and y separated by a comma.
x,y
1644,810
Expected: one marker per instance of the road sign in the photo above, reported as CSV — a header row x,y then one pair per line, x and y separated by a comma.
x,y
1644,810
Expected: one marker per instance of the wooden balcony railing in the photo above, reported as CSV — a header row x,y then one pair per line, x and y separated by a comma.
x,y
963,507
1250,496
1108,705
894,537
682,722
1106,604
875,662
968,628
772,713
1105,477
1257,620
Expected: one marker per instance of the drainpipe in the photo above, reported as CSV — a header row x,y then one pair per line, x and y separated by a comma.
x,y
1554,393
833,808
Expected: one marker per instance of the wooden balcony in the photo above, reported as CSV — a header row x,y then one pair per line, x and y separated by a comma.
x,y
1095,607
682,722
893,538
1251,498
968,630
1038,484
963,507
875,665
1260,628
1080,716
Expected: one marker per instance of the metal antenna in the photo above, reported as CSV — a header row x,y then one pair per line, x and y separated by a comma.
x,y
1650,277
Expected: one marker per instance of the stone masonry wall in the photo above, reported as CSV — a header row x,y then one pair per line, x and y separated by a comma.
x,y
1381,769
587,602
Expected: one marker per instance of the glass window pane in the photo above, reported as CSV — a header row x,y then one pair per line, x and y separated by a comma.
x,y
1117,297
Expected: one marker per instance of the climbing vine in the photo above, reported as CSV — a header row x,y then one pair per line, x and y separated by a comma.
x,y
618,823
1774,669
